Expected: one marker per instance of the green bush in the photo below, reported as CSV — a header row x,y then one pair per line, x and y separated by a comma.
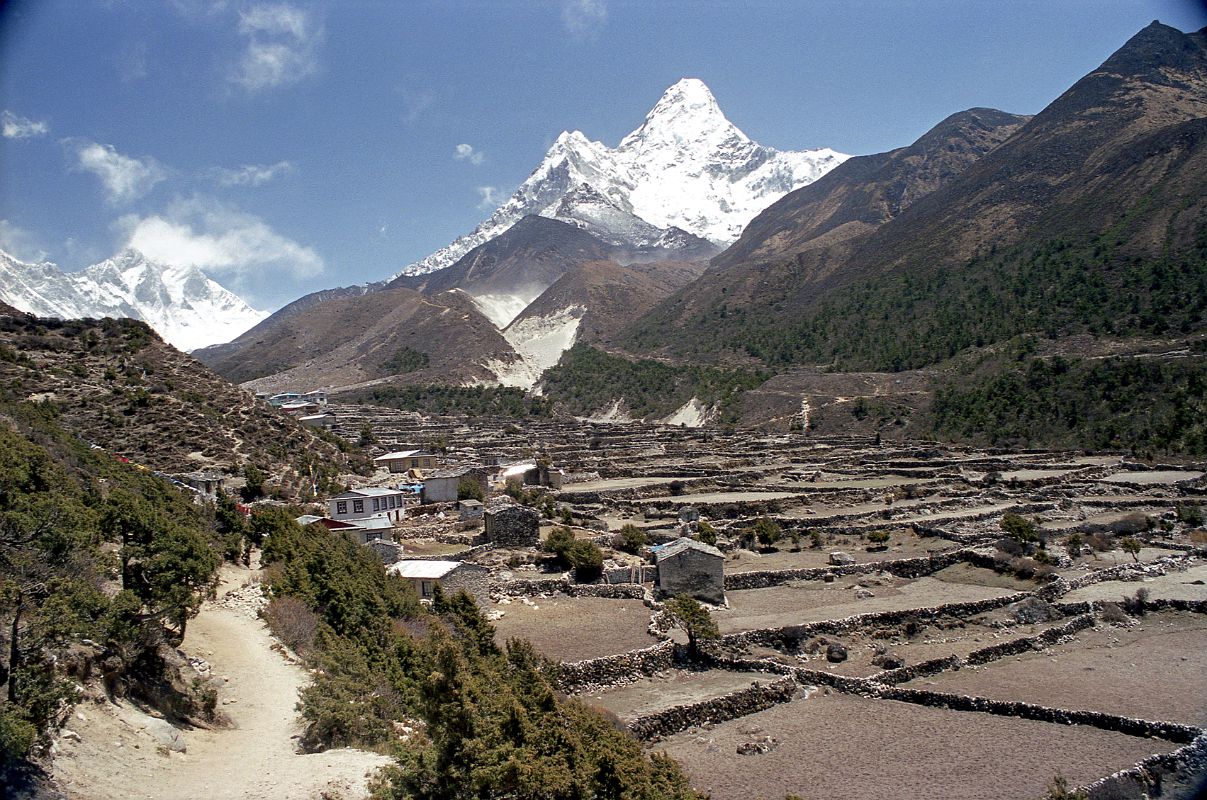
x,y
631,539
587,560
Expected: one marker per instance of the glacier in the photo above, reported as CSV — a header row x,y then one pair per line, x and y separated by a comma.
x,y
185,307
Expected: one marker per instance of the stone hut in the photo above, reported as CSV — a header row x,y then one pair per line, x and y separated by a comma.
x,y
450,576
513,526
686,566
470,509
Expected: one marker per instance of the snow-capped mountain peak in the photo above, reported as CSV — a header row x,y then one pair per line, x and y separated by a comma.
x,y
687,114
182,304
685,167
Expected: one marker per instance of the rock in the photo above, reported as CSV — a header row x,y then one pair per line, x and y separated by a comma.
x,y
863,594
70,735
759,746
836,652
838,558
829,578
166,734
892,661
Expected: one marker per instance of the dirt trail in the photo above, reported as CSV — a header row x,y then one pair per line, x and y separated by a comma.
x,y
118,752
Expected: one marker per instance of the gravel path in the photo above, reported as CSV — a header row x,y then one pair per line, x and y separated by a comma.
x,y
117,756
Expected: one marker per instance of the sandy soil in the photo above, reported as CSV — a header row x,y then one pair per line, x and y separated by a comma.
x,y
1153,477
651,695
858,749
1156,670
575,628
1188,585
793,604
116,756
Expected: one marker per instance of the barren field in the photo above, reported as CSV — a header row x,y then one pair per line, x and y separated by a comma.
x,y
858,749
650,695
795,603
1156,670
1188,585
903,544
575,628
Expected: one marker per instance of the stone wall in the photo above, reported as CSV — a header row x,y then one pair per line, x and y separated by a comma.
x,y
902,567
1134,571
789,635
524,588
741,703
1170,731
1185,763
596,673
513,526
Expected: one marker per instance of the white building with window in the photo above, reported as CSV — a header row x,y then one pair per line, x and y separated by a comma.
x,y
371,501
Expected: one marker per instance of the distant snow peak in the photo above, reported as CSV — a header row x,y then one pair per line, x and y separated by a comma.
x,y
181,303
686,167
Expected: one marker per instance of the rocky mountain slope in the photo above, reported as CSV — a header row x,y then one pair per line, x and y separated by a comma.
x,y
1087,218
114,383
685,175
182,304
351,341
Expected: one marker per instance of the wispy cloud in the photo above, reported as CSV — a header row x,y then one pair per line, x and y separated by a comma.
x,y
124,178
282,44
466,152
20,243
489,197
584,18
218,238
18,127
249,174
132,61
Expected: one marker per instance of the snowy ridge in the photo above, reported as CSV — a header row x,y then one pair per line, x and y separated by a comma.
x,y
685,170
186,308
540,342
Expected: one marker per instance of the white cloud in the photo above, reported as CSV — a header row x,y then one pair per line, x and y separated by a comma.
x,y
20,243
249,174
16,127
489,197
125,178
584,18
282,41
218,238
466,152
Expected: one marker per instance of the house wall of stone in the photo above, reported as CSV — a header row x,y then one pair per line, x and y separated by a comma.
x,y
471,578
514,526
693,573
440,490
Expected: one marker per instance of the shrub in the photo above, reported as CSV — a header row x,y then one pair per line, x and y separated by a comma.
x,y
1112,614
694,620
1073,545
767,532
1059,789
676,488
587,560
1020,529
559,541
1131,546
878,537
1188,514
706,533
292,621
630,539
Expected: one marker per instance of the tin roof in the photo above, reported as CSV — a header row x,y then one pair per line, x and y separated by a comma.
x,y
424,570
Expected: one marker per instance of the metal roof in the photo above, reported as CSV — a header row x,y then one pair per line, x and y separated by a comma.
x,y
425,570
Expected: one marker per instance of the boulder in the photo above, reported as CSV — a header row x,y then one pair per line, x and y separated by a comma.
x,y
840,559
836,652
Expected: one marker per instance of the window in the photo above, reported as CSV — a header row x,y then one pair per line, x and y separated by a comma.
x,y
372,537
376,504
426,588
427,462
358,506
341,506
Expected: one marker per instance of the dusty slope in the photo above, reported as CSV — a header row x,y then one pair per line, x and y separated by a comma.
x,y
116,757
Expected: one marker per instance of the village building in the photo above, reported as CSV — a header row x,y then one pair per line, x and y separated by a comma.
x,y
686,566
471,509
358,504
444,485
325,420
300,407
317,396
209,484
513,526
449,576
280,399
407,460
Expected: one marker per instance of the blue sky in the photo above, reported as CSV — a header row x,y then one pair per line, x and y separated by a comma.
x,y
291,146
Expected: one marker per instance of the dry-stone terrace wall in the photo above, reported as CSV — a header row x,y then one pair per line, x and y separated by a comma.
x,y
718,709
596,673
1140,780
902,567
526,588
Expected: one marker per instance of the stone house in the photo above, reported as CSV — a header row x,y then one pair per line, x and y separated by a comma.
x,y
450,576
686,566
471,509
209,484
513,526
407,460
